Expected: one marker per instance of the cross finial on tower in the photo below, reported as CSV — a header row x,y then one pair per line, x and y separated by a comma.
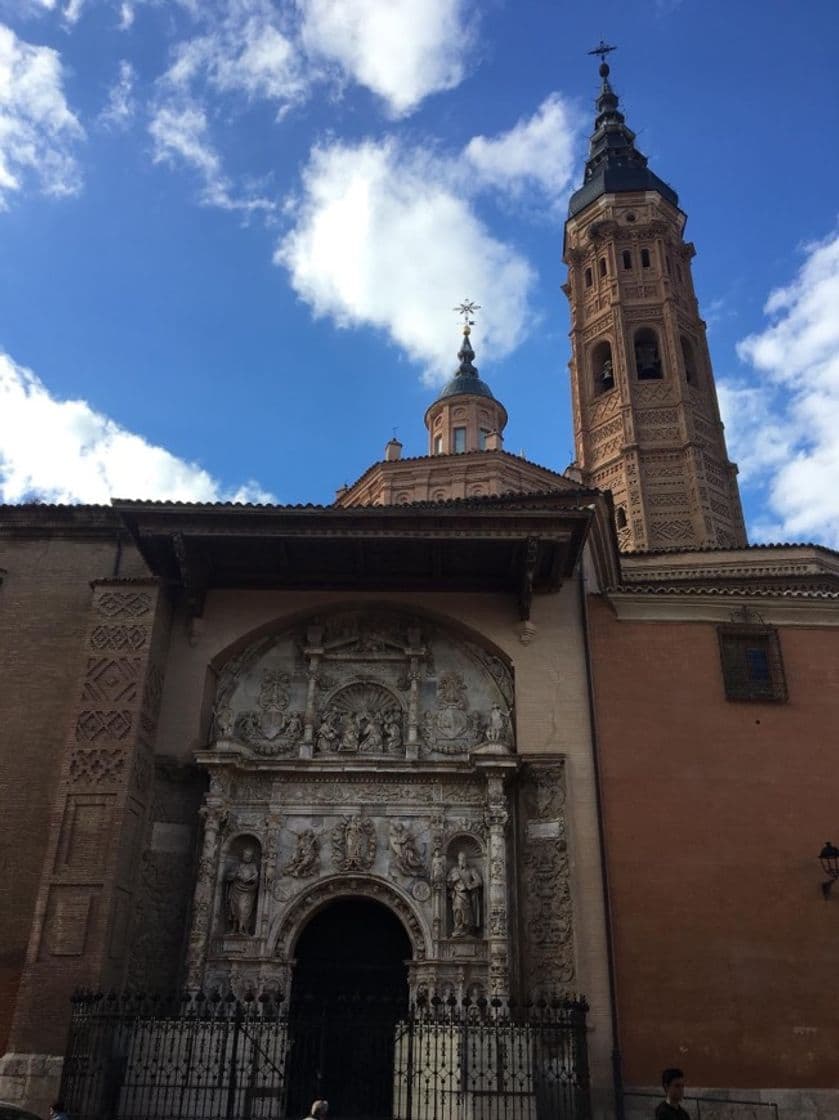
x,y
601,50
467,310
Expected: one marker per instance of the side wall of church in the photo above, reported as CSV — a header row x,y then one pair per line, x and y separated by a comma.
x,y
715,812
44,604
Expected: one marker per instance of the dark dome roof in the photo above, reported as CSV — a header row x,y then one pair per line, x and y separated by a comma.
x,y
462,384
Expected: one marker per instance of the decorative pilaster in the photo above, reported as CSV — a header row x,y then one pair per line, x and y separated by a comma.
x,y
91,871
214,815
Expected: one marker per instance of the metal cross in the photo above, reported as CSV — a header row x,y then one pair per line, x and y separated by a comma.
x,y
602,49
467,309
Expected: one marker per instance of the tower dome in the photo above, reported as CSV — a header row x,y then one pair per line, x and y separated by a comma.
x,y
465,416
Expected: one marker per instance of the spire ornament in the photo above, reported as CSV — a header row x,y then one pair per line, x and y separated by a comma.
x,y
466,354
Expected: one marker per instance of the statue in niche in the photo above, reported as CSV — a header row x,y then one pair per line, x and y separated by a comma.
x,y
306,858
393,731
354,844
464,884
404,847
242,888
499,727
294,727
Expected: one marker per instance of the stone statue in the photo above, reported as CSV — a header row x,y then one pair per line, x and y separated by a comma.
x,y
306,858
242,888
370,737
349,733
404,847
329,733
393,731
464,884
498,727
294,727
438,868
223,721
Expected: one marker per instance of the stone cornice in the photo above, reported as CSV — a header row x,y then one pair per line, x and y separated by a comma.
x,y
708,605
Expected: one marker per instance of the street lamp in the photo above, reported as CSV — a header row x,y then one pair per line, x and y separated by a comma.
x,y
829,857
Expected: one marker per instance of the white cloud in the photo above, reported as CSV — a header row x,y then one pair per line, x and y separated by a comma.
x,y
64,451
73,11
539,151
245,51
382,238
782,425
121,105
38,131
126,16
402,50
181,135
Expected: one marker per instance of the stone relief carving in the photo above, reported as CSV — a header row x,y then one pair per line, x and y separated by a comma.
x,y
364,684
465,883
354,844
242,889
406,858
450,728
361,718
306,859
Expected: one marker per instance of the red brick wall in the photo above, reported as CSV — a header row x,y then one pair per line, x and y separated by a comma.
x,y
44,603
715,812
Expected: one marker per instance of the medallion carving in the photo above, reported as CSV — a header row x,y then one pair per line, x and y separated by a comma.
x,y
354,844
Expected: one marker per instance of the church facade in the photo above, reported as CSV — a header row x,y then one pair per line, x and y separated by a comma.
x,y
568,732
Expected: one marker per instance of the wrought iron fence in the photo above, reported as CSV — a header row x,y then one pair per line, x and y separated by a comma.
x,y
139,1057
703,1108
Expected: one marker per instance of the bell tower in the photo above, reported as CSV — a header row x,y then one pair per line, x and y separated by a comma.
x,y
646,419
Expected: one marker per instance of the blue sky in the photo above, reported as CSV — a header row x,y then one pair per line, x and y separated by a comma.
x,y
232,232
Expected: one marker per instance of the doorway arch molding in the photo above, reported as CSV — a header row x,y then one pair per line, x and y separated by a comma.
x,y
372,887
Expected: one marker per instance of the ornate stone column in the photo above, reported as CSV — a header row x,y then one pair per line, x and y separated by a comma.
x,y
214,815
313,654
497,918
416,652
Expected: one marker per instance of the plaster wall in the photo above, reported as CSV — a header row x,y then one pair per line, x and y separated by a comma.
x,y
715,812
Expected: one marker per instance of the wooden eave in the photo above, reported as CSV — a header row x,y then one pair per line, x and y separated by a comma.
x,y
519,545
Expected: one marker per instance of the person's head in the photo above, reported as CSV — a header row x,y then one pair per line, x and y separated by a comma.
x,y
673,1082
461,858
248,855
319,1109
56,1108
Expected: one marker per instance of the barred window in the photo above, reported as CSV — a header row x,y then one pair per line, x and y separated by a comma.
x,y
752,668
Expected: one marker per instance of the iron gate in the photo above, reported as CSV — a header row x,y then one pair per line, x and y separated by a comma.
x,y
138,1057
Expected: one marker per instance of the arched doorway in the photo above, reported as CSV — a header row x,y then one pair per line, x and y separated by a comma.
x,y
349,990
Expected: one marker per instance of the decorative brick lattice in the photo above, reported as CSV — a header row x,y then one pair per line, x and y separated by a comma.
x,y
93,767
124,604
93,725
110,681
120,639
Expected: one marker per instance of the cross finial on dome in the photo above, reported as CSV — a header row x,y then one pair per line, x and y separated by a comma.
x,y
467,309
601,50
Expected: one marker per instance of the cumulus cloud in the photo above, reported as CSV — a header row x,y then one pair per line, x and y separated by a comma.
x,y
121,105
402,50
244,50
64,451
383,238
181,135
782,422
539,152
126,16
38,131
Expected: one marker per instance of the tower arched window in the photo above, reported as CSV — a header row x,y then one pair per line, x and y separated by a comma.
x,y
645,258
647,355
602,266
620,517
689,359
588,278
627,259
602,372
